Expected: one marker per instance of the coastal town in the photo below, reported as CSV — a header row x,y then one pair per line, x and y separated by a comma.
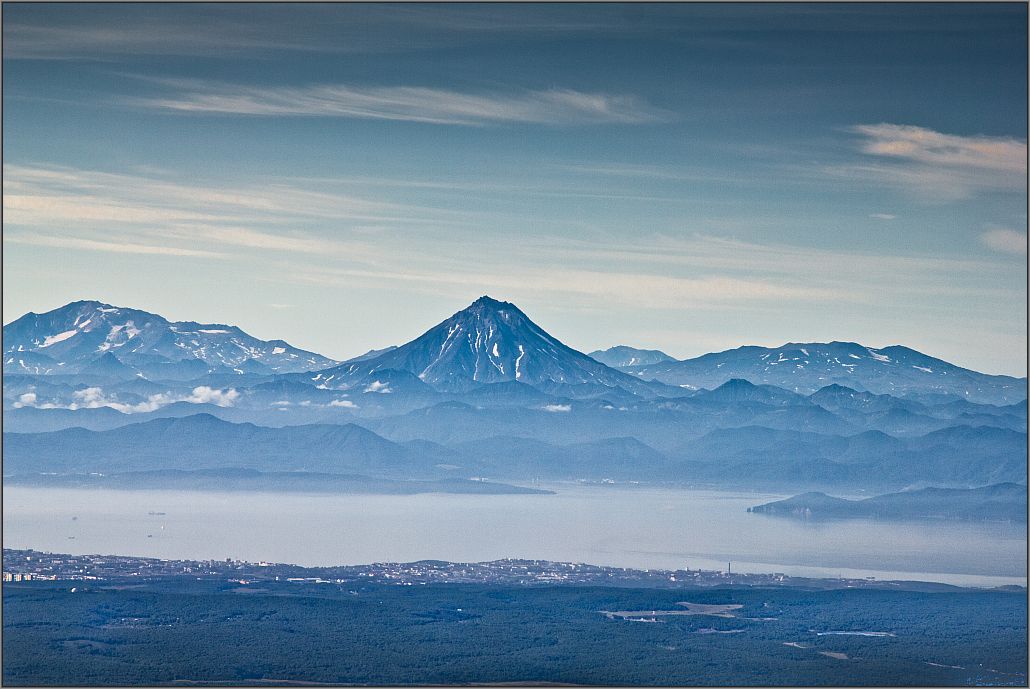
x,y
33,565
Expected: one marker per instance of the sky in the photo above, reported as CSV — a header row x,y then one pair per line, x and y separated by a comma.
x,y
687,177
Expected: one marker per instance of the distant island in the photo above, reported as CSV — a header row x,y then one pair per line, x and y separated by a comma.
x,y
999,502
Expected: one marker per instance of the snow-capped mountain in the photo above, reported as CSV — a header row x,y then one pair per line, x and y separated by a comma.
x,y
489,342
91,337
622,356
807,367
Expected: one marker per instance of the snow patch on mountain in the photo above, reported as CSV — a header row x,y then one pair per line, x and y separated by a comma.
x,y
60,337
876,355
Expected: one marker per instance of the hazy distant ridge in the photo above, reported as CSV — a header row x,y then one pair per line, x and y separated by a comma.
x,y
1003,501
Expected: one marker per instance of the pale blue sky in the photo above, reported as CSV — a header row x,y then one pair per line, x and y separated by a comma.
x,y
685,177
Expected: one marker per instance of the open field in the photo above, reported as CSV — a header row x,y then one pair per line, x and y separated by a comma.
x,y
692,609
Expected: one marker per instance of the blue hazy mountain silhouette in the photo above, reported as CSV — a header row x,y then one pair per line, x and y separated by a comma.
x,y
489,393
623,356
1002,501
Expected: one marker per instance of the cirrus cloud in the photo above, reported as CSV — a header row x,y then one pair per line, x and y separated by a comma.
x,y
934,166
935,148
554,106
1005,241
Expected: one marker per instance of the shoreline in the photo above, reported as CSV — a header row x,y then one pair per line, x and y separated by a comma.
x,y
26,565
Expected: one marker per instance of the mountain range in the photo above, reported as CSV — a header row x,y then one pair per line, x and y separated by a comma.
x,y
488,342
490,393
807,367
751,457
94,338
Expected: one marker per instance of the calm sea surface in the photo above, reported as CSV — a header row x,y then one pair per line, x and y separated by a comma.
x,y
625,527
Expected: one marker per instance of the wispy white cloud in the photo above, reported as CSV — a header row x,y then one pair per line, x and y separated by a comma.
x,y
124,31
926,184
556,186
812,265
1005,241
557,407
28,209
682,173
933,166
115,247
407,103
287,241
124,213
946,150
883,216
630,170
696,273
286,232
535,273
132,36
95,398
33,191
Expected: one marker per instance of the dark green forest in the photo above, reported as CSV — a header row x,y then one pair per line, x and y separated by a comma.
x,y
175,630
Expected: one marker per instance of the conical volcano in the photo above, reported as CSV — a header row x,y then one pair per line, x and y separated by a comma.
x,y
490,341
